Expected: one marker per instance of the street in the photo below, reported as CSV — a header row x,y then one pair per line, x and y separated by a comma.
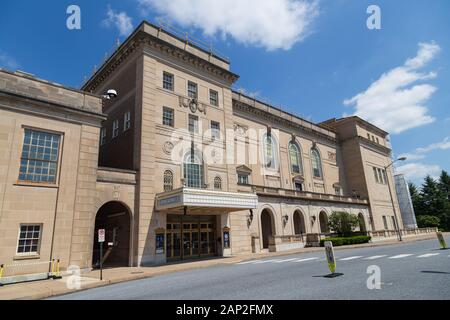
x,y
414,270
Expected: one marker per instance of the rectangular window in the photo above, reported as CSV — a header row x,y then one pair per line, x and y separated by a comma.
x,y
192,90
168,81
385,223
127,121
115,128
298,186
215,130
168,118
214,98
338,191
102,136
39,160
243,179
368,136
375,173
380,176
394,224
29,239
385,177
378,141
193,124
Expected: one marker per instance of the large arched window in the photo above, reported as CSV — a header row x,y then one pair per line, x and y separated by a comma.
x,y
168,180
316,163
270,151
193,170
295,158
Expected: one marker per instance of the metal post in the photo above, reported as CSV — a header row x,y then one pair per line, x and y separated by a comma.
x,y
399,235
101,261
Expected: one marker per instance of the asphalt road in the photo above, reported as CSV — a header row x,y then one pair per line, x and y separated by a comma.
x,y
413,270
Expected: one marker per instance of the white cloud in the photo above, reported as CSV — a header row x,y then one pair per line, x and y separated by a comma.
x,y
396,102
417,171
7,61
271,24
120,20
442,145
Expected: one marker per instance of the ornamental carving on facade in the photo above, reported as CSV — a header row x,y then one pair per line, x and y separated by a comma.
x,y
193,104
240,129
331,156
168,147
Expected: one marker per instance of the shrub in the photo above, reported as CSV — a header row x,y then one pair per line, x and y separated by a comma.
x,y
428,221
345,241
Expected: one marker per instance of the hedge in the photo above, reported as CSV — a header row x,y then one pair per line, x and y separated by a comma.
x,y
345,241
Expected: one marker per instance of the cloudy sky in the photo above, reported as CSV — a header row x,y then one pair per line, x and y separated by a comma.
x,y
316,59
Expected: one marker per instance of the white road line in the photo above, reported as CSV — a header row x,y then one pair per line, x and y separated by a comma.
x,y
267,261
375,257
399,256
247,262
307,259
427,255
350,258
285,260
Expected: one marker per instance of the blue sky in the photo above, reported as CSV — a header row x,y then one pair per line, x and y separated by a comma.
x,y
316,59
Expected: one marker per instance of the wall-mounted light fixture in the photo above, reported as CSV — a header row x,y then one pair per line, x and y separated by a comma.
x,y
285,220
249,218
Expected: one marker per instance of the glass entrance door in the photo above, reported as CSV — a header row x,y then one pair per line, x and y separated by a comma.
x,y
190,237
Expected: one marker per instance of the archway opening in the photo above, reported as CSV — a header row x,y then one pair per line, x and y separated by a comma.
x,y
266,227
114,217
323,220
299,223
362,223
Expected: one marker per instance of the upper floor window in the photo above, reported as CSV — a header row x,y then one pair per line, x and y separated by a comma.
x,y
192,90
217,183
168,180
213,98
215,130
115,128
243,178
298,185
385,223
368,136
295,158
378,140
102,136
193,170
39,158
193,123
380,175
127,121
337,189
168,81
270,151
168,117
316,163
29,239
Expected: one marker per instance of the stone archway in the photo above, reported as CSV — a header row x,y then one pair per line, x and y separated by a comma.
x,y
362,223
323,222
299,223
267,227
115,218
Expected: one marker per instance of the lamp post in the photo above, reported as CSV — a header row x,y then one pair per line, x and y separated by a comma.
x,y
399,234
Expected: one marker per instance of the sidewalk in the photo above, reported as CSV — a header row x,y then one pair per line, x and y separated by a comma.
x,y
48,288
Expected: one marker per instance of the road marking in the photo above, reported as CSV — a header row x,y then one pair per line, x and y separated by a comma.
x,y
247,262
427,255
375,257
400,256
307,259
267,261
286,260
350,258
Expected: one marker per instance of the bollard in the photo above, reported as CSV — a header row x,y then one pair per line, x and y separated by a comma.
x,y
441,239
52,268
1,274
55,269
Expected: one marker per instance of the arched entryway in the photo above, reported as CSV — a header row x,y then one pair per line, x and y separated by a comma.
x,y
267,227
323,220
362,223
115,218
299,223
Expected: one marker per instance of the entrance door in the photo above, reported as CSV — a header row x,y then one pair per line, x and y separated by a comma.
x,y
266,227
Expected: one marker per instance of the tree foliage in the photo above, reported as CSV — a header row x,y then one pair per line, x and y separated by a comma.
x,y
433,200
428,221
343,223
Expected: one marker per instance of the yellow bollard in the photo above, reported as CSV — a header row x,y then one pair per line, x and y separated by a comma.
x,y
52,272
55,269
1,274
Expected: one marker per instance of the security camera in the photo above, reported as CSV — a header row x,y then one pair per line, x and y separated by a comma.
x,y
110,94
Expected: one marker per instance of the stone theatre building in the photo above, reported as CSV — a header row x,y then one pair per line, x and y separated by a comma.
x,y
178,166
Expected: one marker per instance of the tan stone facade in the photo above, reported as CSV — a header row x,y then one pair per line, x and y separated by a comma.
x,y
198,169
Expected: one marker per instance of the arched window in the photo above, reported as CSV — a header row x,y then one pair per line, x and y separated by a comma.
x,y
193,170
316,163
295,158
217,183
270,152
168,180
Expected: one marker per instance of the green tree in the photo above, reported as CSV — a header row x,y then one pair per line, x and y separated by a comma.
x,y
444,183
343,223
415,195
434,202
428,221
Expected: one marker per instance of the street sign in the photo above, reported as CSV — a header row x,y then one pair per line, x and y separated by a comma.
x,y
330,256
101,235
441,240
